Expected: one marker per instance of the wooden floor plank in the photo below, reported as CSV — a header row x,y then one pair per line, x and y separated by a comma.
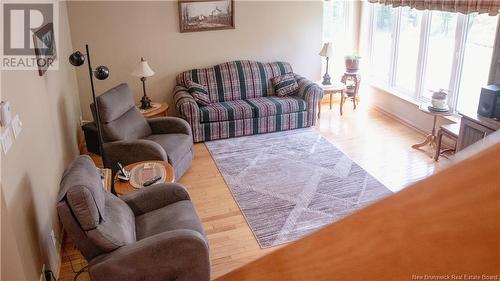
x,y
377,142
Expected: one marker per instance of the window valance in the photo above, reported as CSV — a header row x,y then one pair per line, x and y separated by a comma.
x,y
461,6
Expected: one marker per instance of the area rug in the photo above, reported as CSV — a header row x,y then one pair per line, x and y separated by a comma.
x,y
289,184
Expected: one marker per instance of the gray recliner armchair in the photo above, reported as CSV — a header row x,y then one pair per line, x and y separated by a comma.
x,y
152,234
129,137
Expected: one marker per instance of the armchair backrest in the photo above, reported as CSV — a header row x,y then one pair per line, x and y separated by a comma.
x,y
236,80
98,222
120,119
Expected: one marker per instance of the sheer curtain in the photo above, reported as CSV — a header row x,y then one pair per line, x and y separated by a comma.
x,y
462,6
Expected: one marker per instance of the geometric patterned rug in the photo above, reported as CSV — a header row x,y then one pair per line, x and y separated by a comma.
x,y
289,184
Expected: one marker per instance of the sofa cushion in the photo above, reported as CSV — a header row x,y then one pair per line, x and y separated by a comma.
x,y
224,111
176,145
236,80
284,84
198,92
179,215
274,105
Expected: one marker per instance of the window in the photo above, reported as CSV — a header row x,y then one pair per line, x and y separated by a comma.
x,y
412,52
337,23
408,44
477,58
382,41
440,52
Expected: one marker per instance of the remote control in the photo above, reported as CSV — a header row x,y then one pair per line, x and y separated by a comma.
x,y
123,175
152,180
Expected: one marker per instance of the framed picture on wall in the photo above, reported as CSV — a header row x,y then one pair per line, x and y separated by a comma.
x,y
205,15
45,47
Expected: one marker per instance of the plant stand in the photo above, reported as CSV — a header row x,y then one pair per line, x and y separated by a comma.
x,y
352,80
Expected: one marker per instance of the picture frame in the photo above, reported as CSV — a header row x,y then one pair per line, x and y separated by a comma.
x,y
205,15
45,47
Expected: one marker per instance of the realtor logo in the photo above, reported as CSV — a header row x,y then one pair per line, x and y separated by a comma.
x,y
20,23
29,40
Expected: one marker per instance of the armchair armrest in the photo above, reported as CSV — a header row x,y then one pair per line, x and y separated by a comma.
x,y
128,152
312,94
169,125
155,197
186,106
173,255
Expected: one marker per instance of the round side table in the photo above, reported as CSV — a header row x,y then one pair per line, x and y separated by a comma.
x,y
160,111
431,138
335,87
124,187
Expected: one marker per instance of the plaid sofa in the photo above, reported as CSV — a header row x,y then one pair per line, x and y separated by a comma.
x,y
243,101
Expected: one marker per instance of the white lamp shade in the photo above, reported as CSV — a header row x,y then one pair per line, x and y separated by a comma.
x,y
327,50
143,69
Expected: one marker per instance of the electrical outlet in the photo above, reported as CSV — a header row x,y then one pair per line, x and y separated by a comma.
x,y
7,140
17,126
42,276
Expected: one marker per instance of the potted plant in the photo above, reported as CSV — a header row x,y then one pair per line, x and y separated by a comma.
x,y
352,62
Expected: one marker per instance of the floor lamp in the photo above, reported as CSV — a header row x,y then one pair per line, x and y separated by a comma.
x,y
100,73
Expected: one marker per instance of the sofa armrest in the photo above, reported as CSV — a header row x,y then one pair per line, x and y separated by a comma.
x,y
155,197
186,105
169,125
173,255
128,152
312,94
308,90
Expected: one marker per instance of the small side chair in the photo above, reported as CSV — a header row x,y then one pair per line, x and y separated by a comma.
x,y
451,131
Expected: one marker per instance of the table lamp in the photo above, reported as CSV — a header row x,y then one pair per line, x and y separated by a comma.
x,y
143,70
326,51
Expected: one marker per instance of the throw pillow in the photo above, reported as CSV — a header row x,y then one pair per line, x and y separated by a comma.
x,y
198,92
284,84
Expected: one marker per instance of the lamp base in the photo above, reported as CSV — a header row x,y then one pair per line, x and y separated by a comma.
x,y
326,79
145,102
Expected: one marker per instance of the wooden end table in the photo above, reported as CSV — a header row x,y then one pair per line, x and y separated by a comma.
x,y
124,187
331,90
106,179
431,139
160,111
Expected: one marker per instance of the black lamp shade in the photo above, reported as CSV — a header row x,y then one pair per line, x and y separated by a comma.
x,y
77,58
101,72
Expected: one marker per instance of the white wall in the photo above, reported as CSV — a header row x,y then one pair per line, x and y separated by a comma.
x,y
120,32
49,109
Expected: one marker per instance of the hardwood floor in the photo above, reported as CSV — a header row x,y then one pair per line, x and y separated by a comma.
x,y
377,142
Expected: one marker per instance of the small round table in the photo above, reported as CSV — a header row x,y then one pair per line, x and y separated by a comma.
x,y
124,187
430,139
335,87
159,111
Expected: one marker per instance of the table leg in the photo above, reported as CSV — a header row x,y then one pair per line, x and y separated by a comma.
x,y
356,89
342,98
331,97
428,140
319,109
434,126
